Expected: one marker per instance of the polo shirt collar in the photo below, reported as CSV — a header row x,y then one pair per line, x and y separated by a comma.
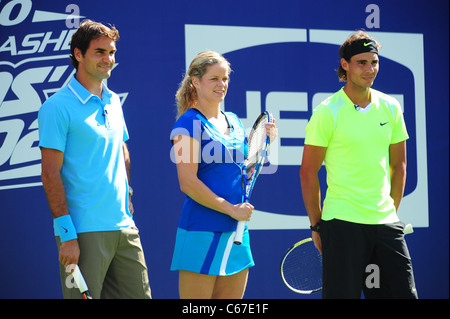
x,y
84,95
373,97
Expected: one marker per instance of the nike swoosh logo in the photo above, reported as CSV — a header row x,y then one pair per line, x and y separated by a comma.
x,y
65,229
366,44
381,124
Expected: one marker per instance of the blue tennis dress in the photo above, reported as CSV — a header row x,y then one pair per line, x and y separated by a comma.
x,y
205,237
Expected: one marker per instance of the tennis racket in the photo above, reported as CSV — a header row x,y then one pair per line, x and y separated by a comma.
x,y
258,143
301,266
81,283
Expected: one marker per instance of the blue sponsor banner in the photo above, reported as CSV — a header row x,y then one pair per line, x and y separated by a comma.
x,y
284,55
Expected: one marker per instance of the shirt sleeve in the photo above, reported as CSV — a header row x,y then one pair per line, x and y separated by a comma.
x,y
399,133
186,125
53,126
126,137
320,127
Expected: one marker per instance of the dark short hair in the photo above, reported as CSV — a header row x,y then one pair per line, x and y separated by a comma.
x,y
86,32
344,51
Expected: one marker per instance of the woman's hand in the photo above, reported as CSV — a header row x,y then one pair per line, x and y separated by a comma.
x,y
242,211
271,130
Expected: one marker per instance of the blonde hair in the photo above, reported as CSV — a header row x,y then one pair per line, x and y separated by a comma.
x,y
186,96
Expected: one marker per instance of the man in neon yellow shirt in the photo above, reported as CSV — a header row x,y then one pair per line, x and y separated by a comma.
x,y
360,135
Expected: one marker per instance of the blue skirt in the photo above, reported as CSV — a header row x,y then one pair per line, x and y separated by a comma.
x,y
211,253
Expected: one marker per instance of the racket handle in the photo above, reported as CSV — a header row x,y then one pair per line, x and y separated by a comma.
x,y
239,232
79,280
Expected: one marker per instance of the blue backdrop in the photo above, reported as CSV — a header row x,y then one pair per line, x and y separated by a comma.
x,y
283,55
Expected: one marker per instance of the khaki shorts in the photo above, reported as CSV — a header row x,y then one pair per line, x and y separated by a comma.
x,y
112,264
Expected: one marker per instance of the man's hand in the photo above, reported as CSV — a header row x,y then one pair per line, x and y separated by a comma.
x,y
69,252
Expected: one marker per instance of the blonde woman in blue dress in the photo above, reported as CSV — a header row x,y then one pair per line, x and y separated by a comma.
x,y
209,149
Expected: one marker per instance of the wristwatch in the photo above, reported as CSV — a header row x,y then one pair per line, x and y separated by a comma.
x,y
130,190
316,227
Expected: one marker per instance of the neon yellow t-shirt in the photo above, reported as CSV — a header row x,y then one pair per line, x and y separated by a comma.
x,y
357,156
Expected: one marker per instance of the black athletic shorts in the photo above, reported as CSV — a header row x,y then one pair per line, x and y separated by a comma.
x,y
373,259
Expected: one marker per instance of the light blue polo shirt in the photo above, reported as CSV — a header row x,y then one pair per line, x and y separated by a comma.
x,y
90,133
219,168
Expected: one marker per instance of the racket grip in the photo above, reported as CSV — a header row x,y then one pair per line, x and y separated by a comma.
x,y
239,232
79,280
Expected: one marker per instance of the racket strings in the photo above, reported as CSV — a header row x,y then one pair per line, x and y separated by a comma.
x,y
256,143
302,268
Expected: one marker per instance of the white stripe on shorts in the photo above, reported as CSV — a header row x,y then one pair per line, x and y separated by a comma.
x,y
226,255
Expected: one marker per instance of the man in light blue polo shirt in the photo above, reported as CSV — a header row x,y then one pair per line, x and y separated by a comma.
x,y
85,173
